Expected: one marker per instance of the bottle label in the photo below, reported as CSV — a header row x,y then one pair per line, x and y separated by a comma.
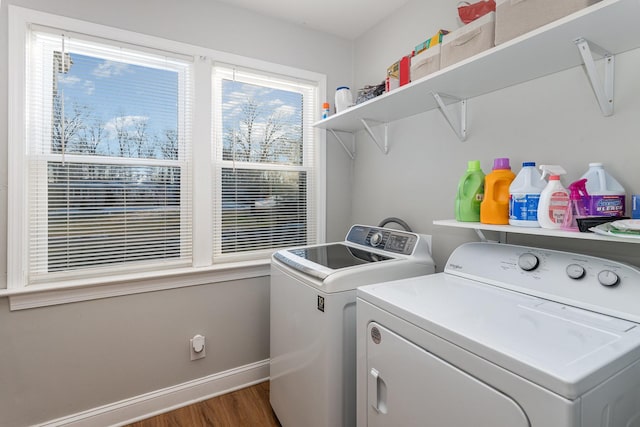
x,y
607,206
558,206
523,207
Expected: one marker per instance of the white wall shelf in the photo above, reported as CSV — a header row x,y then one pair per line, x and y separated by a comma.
x,y
479,227
610,24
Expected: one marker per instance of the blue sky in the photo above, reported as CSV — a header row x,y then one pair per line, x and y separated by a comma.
x,y
285,105
116,91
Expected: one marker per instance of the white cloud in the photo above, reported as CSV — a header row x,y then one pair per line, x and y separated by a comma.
x,y
89,87
68,80
285,111
108,69
122,122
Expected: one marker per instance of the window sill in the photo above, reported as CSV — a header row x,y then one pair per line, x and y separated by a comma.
x,y
128,284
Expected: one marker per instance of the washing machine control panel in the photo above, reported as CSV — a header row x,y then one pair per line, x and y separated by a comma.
x,y
395,241
575,279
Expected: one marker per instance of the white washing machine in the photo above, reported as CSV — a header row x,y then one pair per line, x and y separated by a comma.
x,y
313,332
506,336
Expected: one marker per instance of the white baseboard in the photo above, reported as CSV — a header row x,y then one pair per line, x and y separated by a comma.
x,y
157,402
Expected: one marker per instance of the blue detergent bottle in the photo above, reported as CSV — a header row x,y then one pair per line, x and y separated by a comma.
x,y
524,195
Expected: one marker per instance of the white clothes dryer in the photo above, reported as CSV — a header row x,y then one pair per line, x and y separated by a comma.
x,y
506,336
313,314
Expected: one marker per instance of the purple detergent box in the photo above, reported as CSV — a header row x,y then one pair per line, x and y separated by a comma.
x,y
635,204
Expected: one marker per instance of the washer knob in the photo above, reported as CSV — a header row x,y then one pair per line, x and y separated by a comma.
x,y
608,278
376,239
528,262
575,271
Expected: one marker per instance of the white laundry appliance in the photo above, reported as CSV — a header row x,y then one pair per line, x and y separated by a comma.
x,y
506,336
313,332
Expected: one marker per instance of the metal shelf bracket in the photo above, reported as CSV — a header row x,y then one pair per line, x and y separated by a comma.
x,y
459,126
350,152
384,147
602,89
502,236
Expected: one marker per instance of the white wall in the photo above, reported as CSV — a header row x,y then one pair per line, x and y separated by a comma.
x,y
552,120
60,360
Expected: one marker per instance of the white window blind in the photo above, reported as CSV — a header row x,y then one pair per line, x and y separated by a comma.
x,y
109,157
265,163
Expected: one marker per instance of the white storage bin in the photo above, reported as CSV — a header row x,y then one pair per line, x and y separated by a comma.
x,y
426,62
516,17
469,40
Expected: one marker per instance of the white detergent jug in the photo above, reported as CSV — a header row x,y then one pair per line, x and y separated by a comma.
x,y
607,196
524,195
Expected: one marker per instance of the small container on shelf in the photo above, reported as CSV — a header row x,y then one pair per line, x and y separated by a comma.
x,y
325,110
344,99
398,73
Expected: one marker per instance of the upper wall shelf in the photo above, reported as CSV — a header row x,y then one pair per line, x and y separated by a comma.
x,y
504,229
611,24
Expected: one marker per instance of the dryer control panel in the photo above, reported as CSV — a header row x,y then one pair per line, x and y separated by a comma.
x,y
584,281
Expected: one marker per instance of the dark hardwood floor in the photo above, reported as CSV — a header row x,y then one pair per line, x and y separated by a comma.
x,y
246,407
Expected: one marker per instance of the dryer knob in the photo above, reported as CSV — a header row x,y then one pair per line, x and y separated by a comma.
x,y
608,278
376,239
528,261
575,271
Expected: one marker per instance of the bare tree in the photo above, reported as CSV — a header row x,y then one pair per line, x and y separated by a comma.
x,y
139,138
65,129
122,136
278,142
169,145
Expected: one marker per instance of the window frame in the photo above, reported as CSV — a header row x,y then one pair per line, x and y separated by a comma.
x,y
204,269
220,73
42,153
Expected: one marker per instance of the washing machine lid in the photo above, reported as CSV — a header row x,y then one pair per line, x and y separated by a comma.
x,y
562,348
321,260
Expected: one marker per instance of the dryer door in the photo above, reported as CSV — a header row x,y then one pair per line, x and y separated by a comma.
x,y
408,386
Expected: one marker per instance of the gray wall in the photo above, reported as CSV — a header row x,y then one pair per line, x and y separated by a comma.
x,y
551,120
60,360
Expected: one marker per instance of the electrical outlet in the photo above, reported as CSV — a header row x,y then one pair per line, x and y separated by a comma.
x,y
197,347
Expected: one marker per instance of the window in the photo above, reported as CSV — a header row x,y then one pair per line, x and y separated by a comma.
x,y
264,162
136,158
108,152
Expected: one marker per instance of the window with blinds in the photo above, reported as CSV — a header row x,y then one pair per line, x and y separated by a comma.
x,y
109,157
265,168
102,171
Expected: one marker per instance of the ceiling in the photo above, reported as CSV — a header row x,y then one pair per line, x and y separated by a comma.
x,y
343,18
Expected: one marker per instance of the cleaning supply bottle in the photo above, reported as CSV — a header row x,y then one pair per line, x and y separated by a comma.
x,y
325,110
554,199
494,208
607,195
577,208
470,193
524,194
